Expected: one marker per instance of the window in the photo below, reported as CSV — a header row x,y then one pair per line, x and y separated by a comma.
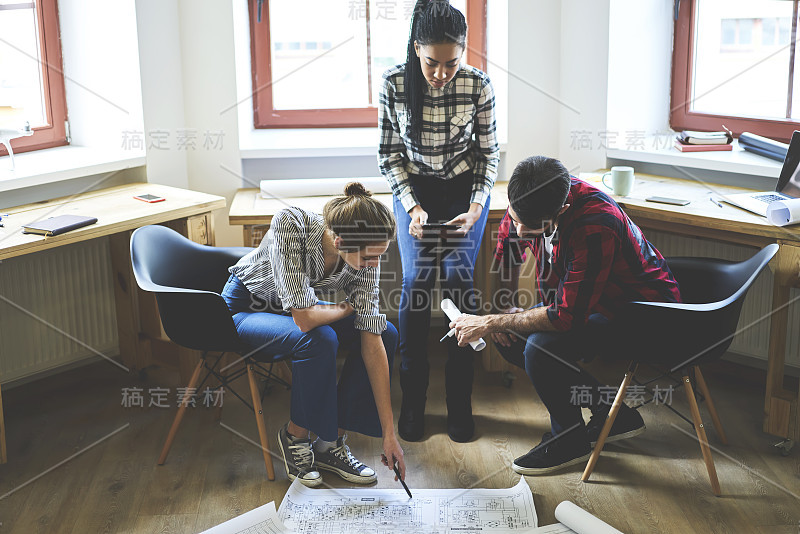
x,y
31,79
321,65
734,64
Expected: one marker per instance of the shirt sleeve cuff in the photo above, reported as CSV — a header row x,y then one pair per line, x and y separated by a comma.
x,y
408,200
300,300
559,320
479,197
371,323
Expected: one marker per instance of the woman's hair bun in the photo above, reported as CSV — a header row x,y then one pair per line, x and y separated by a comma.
x,y
356,189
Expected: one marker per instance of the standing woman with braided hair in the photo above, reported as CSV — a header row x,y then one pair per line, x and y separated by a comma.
x,y
439,153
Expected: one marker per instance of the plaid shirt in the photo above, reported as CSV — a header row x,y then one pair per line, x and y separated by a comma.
x,y
600,260
451,115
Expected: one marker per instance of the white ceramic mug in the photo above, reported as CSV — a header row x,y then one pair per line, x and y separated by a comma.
x,y
622,179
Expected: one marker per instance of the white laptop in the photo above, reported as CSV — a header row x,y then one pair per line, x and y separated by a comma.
x,y
788,186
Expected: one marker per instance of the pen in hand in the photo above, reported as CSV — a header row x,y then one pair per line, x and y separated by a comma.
x,y
450,333
403,482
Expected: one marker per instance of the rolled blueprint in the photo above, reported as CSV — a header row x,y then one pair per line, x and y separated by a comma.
x,y
581,521
784,212
318,187
453,313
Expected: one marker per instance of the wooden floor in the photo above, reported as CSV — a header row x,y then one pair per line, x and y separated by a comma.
x,y
65,474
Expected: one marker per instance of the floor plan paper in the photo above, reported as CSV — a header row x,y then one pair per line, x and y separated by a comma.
x,y
390,511
262,520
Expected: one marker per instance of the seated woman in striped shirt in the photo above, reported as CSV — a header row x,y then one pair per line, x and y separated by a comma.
x,y
438,151
272,295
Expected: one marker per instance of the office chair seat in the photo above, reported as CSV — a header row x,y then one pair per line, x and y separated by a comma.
x,y
187,278
682,336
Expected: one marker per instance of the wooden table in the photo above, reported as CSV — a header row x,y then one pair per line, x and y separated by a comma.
x,y
701,218
118,214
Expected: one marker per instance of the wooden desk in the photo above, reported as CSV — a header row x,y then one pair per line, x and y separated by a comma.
x,y
118,214
702,218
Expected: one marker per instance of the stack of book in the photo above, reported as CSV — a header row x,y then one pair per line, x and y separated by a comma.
x,y
689,141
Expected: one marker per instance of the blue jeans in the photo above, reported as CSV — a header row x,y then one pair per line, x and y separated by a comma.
x,y
423,259
318,404
549,359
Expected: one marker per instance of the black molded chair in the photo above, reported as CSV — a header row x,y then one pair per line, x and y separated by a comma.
x,y
187,278
681,337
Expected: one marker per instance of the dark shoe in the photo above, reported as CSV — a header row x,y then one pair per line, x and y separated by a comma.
x,y
627,425
411,423
553,454
341,461
298,458
460,424
458,388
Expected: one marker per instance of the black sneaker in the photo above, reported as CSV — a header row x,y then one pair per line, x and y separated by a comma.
x,y
553,454
627,425
298,458
341,461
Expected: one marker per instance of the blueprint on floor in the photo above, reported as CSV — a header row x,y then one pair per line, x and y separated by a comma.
x,y
390,511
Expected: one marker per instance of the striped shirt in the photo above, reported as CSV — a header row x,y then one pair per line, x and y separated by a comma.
x,y
289,266
600,260
451,116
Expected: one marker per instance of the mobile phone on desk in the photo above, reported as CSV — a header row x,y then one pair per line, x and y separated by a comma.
x,y
668,200
149,198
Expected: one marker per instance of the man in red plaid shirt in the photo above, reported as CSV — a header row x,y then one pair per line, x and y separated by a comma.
x,y
590,260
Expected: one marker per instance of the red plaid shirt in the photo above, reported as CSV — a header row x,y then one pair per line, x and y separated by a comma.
x,y
600,260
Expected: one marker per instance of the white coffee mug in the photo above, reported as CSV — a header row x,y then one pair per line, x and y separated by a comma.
x,y
622,179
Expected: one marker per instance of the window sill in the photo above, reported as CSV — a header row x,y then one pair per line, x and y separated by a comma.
x,y
312,142
64,163
736,161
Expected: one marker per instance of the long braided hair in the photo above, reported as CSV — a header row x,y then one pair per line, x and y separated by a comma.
x,y
434,22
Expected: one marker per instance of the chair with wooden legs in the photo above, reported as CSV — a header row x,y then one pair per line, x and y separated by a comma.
x,y
187,278
681,337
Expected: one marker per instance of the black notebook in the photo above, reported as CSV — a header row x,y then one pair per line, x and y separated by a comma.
x,y
58,225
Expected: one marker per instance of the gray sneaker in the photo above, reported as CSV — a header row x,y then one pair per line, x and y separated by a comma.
x,y
341,461
298,458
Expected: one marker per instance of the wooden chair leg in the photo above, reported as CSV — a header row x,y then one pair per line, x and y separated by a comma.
x,y
262,427
3,456
612,415
181,411
701,436
701,383
224,363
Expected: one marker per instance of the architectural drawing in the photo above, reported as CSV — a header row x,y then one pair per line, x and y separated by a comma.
x,y
432,511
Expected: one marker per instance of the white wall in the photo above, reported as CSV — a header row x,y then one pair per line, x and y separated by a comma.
x,y
209,82
558,65
534,83
584,80
160,60
188,80
639,66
